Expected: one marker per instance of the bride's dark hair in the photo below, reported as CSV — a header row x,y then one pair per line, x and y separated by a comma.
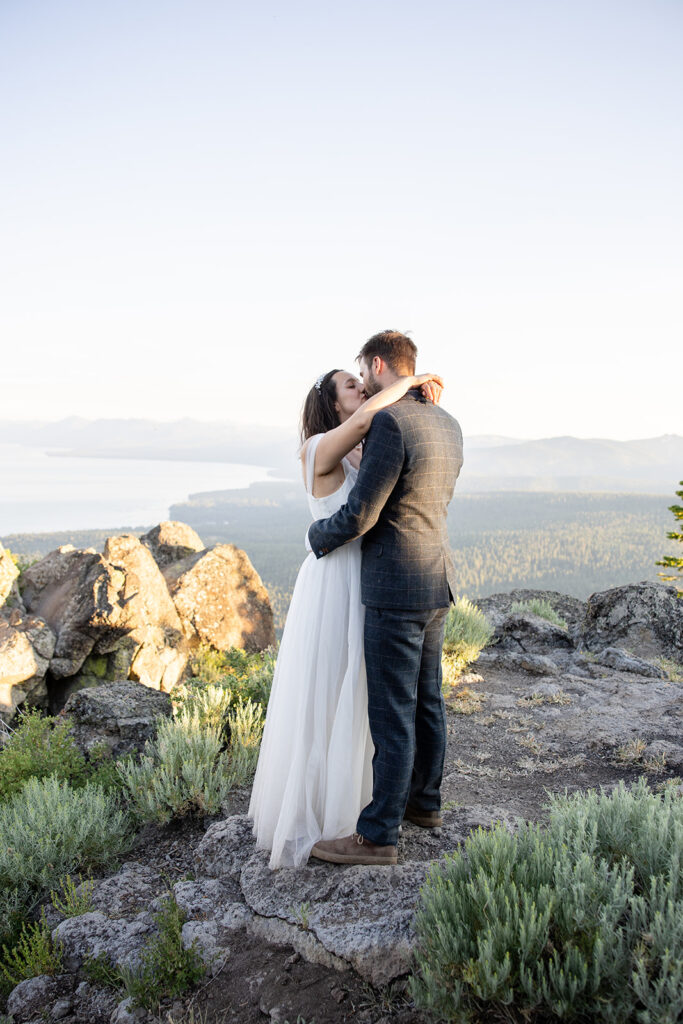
x,y
319,414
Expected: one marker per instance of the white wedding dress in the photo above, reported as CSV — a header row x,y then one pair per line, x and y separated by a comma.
x,y
314,772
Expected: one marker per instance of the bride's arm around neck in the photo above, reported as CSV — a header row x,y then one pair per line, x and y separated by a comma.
x,y
337,443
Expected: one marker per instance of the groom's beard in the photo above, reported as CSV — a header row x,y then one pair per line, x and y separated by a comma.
x,y
371,385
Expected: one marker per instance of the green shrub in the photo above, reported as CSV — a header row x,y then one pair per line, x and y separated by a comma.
x,y
34,953
467,633
543,609
72,900
48,830
247,676
579,920
166,969
38,747
102,971
185,768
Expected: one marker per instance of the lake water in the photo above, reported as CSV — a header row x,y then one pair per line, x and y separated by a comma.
x,y
40,493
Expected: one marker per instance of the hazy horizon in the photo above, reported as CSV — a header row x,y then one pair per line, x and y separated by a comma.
x,y
207,204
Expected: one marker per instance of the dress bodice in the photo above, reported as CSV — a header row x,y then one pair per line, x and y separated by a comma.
x,y
321,508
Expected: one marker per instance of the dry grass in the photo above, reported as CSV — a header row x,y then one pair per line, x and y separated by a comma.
x,y
536,700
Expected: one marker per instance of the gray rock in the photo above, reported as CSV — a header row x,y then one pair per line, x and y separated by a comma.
x,y
497,606
92,934
128,892
671,754
31,997
62,1008
225,848
94,1004
536,664
360,914
645,618
122,715
209,898
530,634
171,541
127,1013
622,661
207,938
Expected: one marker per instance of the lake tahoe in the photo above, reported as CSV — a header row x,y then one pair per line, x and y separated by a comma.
x,y
42,493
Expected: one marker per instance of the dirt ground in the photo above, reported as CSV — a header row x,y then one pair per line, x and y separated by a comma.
x,y
505,750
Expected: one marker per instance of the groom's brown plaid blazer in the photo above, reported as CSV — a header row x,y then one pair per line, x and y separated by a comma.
x,y
412,458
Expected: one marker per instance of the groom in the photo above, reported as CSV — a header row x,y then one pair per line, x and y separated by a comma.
x,y
411,460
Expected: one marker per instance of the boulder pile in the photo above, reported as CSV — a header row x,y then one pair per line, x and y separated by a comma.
x,y
135,612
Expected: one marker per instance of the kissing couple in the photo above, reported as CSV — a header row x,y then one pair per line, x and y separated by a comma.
x,y
355,734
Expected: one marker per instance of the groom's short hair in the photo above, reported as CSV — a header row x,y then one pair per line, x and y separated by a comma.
x,y
397,350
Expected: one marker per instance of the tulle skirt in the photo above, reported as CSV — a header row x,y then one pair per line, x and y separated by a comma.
x,y
314,772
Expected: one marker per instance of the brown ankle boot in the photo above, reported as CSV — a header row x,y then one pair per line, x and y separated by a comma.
x,y
425,819
355,849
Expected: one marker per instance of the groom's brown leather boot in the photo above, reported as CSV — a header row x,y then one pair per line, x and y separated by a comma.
x,y
425,819
355,849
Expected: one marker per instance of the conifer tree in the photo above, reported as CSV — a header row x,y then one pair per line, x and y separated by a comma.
x,y
669,561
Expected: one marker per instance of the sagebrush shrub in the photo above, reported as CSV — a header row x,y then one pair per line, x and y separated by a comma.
x,y
581,919
48,830
186,769
467,633
540,607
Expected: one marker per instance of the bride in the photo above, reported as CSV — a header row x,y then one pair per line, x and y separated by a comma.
x,y
314,772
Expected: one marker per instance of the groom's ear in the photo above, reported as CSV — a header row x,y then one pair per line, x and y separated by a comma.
x,y
378,366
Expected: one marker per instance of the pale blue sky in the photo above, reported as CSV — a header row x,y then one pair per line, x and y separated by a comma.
x,y
205,205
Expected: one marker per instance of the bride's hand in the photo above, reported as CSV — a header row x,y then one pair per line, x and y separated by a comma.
x,y
431,385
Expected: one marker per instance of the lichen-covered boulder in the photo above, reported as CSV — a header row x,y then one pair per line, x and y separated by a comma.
x,y
78,593
33,997
112,615
171,541
26,646
497,606
644,618
121,715
8,574
221,599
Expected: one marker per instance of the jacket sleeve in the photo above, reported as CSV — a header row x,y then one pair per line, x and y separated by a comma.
x,y
379,470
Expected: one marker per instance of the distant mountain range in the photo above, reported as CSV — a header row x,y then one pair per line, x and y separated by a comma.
x,y
492,462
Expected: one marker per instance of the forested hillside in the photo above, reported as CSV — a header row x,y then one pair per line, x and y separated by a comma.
x,y
575,543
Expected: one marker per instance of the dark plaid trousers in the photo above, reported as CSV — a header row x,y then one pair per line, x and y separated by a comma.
x,y
407,716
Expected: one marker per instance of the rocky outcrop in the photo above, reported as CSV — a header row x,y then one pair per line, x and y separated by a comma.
x,y
121,715
112,616
497,606
116,616
26,645
29,999
172,541
8,574
221,600
645,618
154,634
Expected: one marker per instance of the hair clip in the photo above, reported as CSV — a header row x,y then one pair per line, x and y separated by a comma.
x,y
319,382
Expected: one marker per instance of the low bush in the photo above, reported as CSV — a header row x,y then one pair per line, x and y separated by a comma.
x,y
579,920
539,607
186,768
166,969
34,953
467,633
39,746
49,830
247,676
